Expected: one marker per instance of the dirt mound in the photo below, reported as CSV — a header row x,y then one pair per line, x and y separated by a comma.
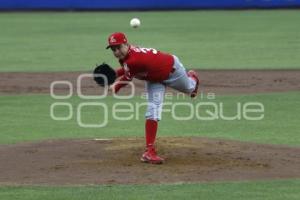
x,y
216,81
116,161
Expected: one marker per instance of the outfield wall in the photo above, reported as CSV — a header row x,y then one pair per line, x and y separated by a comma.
x,y
142,4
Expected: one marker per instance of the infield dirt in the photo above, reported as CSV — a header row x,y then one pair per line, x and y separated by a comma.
x,y
216,81
116,161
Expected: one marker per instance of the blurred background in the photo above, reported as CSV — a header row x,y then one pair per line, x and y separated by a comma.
x,y
143,5
204,34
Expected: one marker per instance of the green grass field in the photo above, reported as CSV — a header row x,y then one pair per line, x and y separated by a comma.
x,y
31,120
202,39
262,190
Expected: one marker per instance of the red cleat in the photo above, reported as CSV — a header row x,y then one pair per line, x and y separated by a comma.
x,y
194,76
150,156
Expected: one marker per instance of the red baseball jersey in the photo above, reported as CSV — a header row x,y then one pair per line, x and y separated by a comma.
x,y
144,64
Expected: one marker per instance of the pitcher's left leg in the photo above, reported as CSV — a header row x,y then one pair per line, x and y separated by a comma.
x,y
186,82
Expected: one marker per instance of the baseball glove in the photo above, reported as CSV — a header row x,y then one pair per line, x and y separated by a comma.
x,y
104,75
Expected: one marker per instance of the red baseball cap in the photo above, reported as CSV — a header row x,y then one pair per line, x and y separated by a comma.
x,y
116,39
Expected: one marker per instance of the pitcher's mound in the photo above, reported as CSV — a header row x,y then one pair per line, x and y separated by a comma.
x,y
116,161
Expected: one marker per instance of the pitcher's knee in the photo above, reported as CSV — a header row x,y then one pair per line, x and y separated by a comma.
x,y
152,116
153,112
187,89
191,86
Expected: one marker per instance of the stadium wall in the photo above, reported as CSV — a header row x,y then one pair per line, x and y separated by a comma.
x,y
143,5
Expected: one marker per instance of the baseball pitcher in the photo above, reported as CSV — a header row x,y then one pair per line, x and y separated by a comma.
x,y
159,70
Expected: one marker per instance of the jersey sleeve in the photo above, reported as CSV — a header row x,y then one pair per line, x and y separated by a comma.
x,y
130,69
122,82
120,71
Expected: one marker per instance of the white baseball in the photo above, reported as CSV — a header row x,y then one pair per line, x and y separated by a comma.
x,y
135,22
